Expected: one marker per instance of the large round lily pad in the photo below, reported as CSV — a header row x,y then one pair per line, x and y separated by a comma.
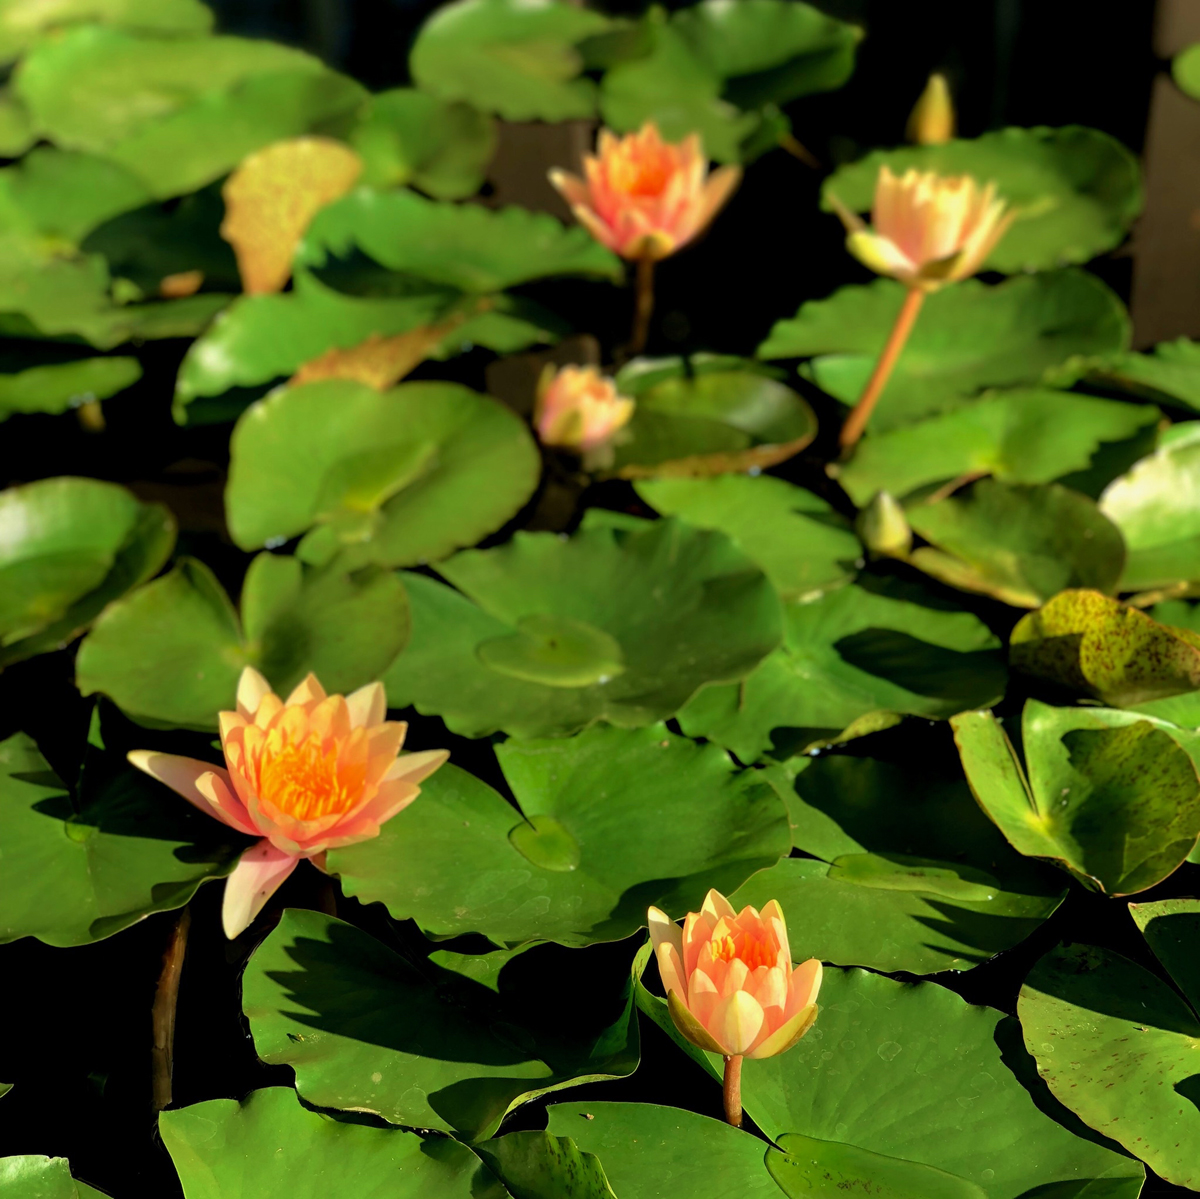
x,y
1076,190
872,647
585,853
529,642
170,653
398,477
967,338
270,1144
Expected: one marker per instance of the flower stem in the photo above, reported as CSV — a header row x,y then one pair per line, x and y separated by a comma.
x,y
856,423
643,306
733,1090
166,999
799,150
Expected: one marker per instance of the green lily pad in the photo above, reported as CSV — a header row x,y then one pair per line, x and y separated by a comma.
x,y
1076,190
595,855
851,1081
1169,374
1183,709
463,246
555,651
685,608
177,112
914,876
408,136
1154,504
801,544
1028,435
269,1144
968,337
874,646
1112,798
539,1165
1020,544
516,59
17,133
397,477
367,1031
170,654
24,22
1095,645
1117,1045
103,859
650,1152
59,387
70,547
1185,68
36,1177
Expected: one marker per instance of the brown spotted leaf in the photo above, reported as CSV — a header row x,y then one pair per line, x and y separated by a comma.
x,y
1097,646
273,196
379,362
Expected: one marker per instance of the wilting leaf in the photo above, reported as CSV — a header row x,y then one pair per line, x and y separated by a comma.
x,y
379,362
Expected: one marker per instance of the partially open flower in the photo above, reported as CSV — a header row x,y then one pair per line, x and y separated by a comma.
x,y
731,987
311,773
927,230
578,408
644,197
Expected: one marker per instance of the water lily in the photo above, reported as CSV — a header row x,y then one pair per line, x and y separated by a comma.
x,y
731,986
306,774
578,408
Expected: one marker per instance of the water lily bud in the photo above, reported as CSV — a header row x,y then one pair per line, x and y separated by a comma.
x,y
306,774
883,527
931,121
730,983
578,408
927,230
643,197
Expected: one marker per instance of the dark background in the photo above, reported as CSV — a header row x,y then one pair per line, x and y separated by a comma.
x,y
76,1023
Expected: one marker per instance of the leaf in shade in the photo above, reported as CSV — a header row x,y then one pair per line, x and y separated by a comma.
x,y
1169,374
1095,645
972,336
582,857
539,1165
59,387
367,1031
1112,797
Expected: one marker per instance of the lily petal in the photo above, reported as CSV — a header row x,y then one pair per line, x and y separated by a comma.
x,y
259,873
183,776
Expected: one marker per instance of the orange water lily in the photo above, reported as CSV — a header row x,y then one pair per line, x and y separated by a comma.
x,y
927,230
578,408
644,197
306,774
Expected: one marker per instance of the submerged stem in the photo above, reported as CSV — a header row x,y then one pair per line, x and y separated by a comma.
x,y
166,999
733,1090
856,423
643,306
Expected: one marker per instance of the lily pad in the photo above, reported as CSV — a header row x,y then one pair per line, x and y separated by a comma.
x,y
802,545
907,874
516,59
1095,645
874,646
70,547
1020,544
594,857
103,859
1111,798
36,1177
177,112
685,608
539,1165
1027,435
649,1152
367,1031
912,1072
170,653
1169,374
408,136
1117,1045
969,337
220,1151
59,387
1185,68
1076,190
1183,709
1155,505
397,477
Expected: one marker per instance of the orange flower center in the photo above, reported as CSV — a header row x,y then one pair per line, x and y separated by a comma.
x,y
644,174
754,951
303,781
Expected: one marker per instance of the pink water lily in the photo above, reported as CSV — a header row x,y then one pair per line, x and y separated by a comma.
x,y
579,409
306,774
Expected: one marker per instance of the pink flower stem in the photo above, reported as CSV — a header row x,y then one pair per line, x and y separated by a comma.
x,y
856,422
732,1090
166,999
643,306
